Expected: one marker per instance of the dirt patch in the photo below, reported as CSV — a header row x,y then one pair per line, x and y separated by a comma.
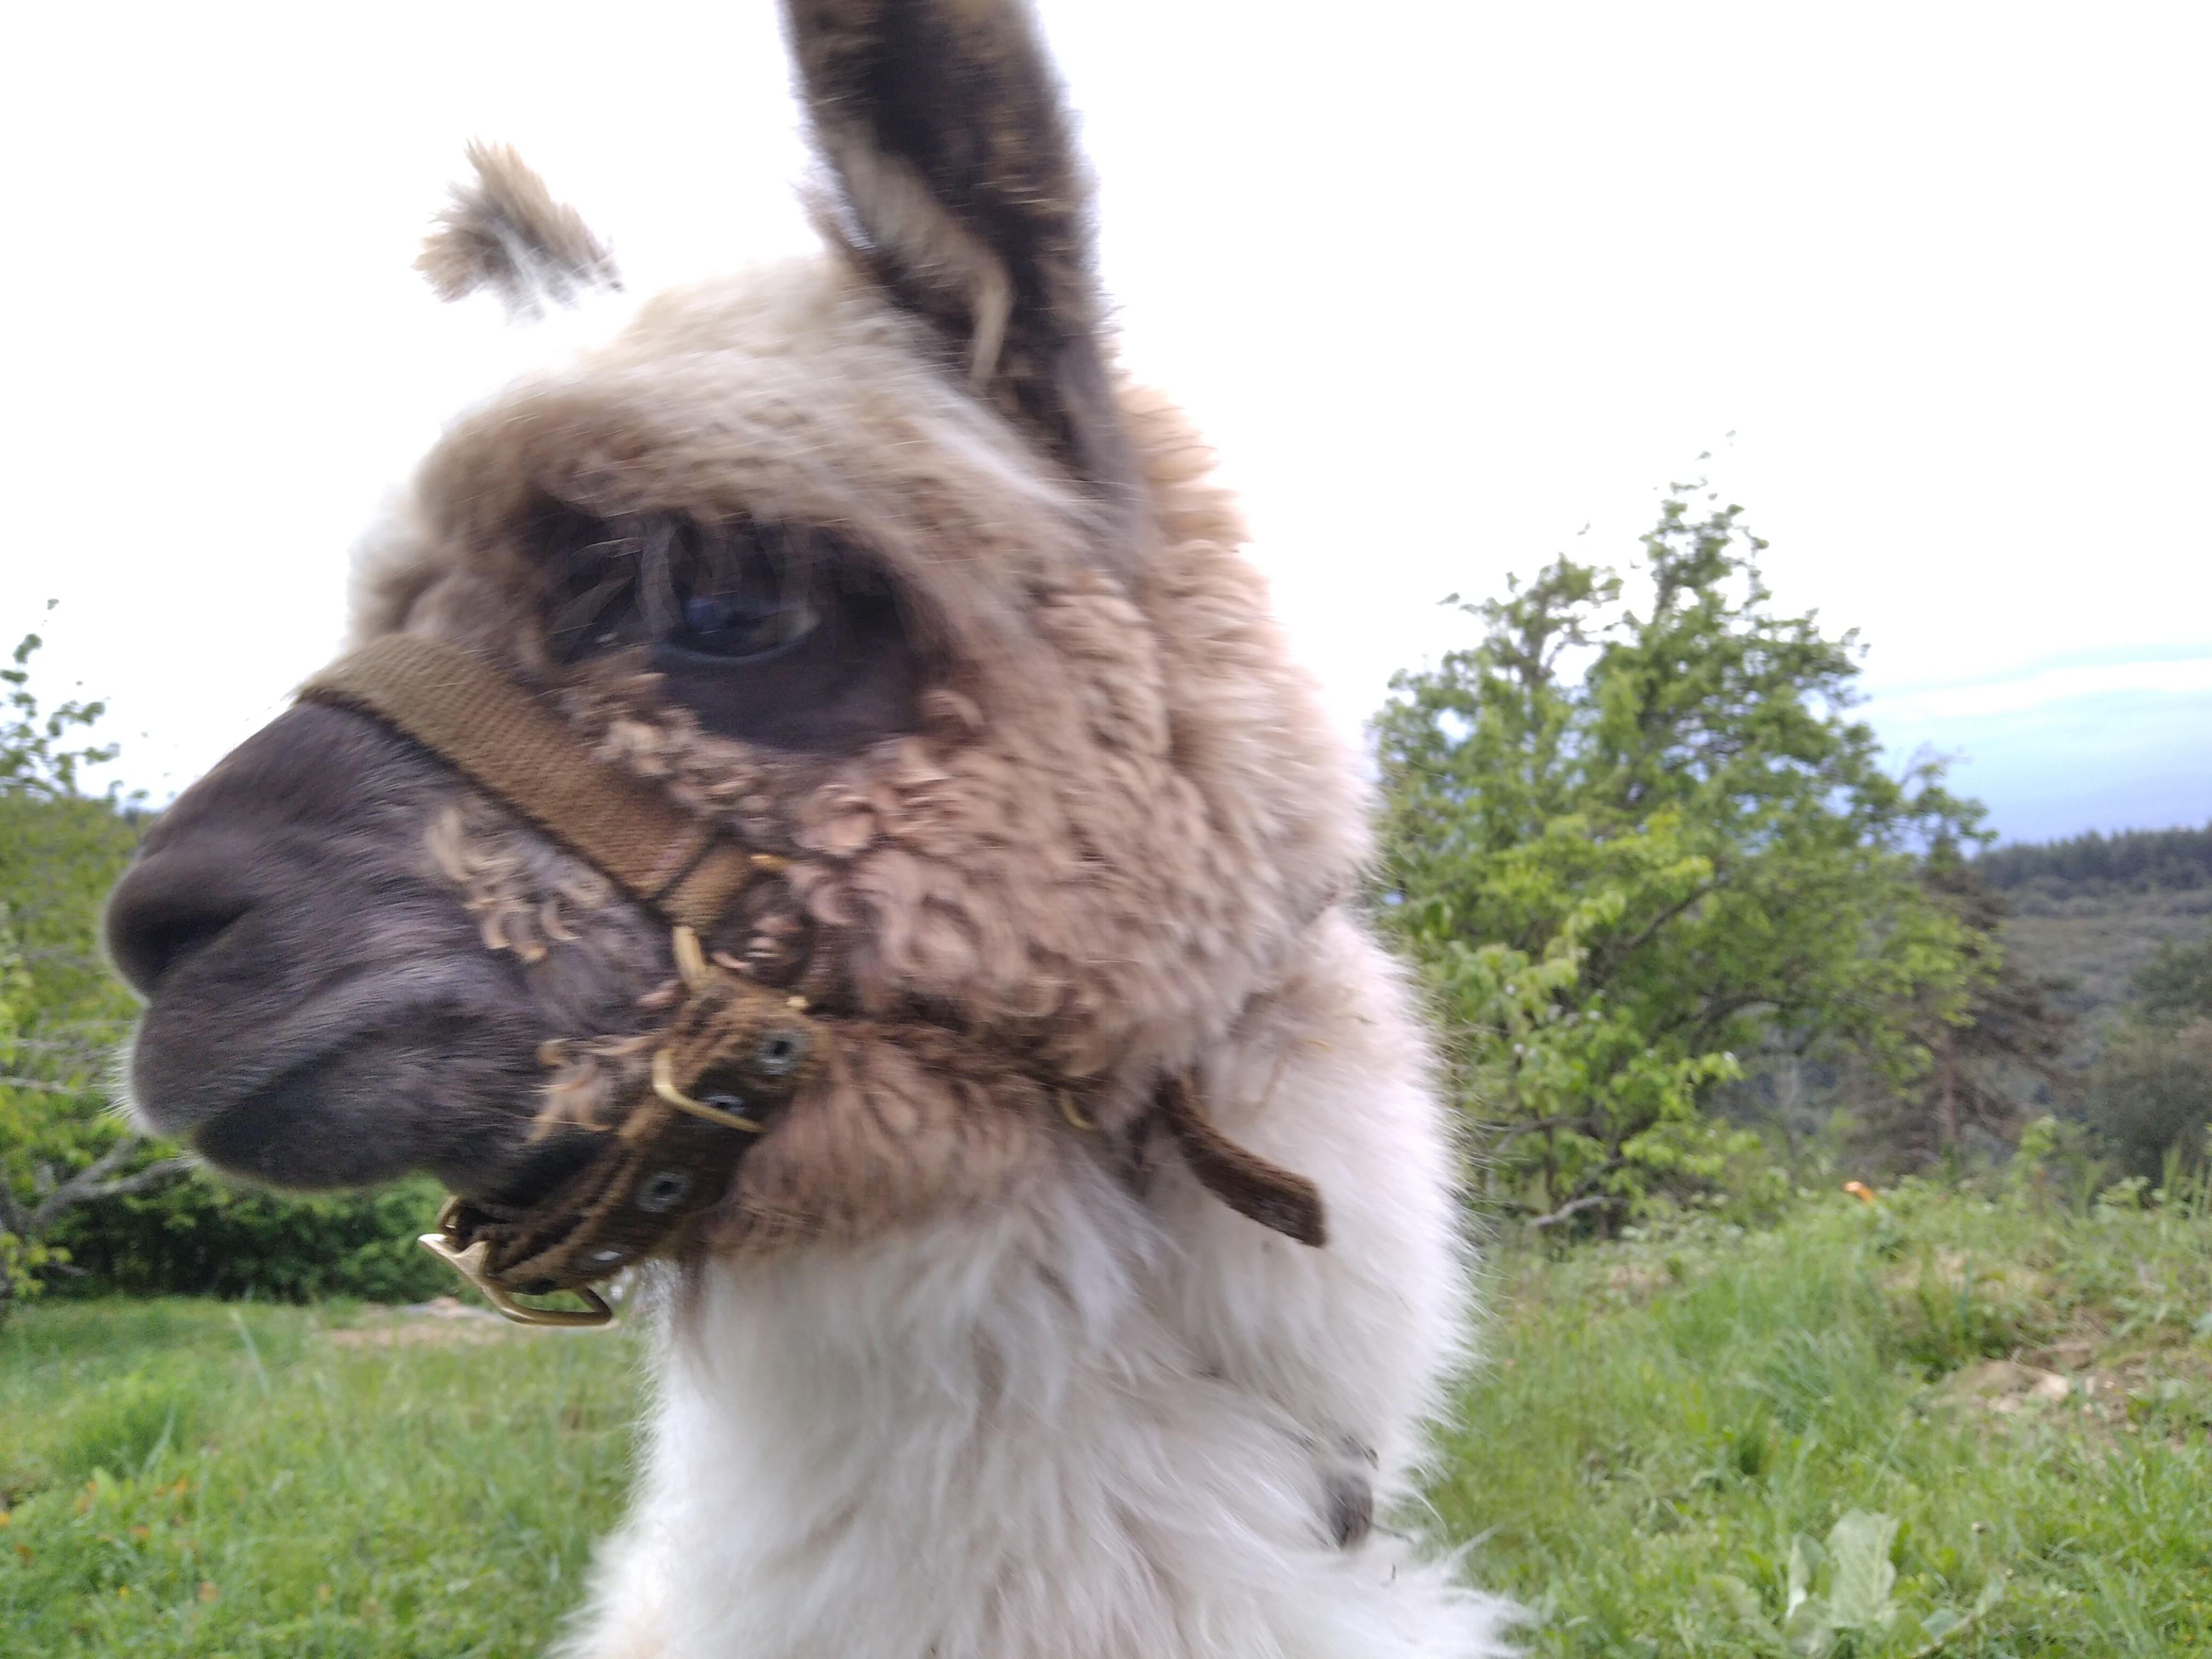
x,y
2070,1354
2004,1386
443,1322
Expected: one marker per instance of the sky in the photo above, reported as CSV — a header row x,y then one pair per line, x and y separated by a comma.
x,y
1452,287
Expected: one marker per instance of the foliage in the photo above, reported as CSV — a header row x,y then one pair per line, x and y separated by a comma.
x,y
2175,986
1618,880
2008,1029
2135,860
1843,1588
2151,1088
61,1012
35,756
203,1236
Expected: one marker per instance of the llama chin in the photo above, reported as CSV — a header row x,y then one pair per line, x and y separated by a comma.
x,y
872,576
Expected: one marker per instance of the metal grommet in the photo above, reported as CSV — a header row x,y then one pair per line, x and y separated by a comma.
x,y
662,1191
780,1051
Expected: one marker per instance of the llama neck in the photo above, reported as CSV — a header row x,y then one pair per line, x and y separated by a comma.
x,y
1084,1425
960,1443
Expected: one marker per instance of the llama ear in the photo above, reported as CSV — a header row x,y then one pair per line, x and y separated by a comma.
x,y
504,231
954,184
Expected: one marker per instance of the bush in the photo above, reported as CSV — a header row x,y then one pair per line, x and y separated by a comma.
x,y
2152,1086
2153,1094
200,1236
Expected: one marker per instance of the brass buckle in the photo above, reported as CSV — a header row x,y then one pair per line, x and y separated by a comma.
x,y
470,1265
663,1085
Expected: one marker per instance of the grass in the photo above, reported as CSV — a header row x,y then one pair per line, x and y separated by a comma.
x,y
186,1477
1660,1421
1664,1414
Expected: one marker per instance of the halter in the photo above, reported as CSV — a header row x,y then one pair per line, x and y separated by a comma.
x,y
736,1052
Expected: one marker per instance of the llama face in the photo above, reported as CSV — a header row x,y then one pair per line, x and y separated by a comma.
x,y
863,561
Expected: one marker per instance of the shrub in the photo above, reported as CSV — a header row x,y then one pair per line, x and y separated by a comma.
x,y
201,1236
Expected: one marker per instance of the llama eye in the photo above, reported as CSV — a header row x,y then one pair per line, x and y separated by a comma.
x,y
740,625
768,632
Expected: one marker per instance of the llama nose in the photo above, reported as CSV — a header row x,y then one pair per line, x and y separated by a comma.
x,y
162,911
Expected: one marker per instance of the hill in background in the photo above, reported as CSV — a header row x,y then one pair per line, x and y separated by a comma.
x,y
2089,911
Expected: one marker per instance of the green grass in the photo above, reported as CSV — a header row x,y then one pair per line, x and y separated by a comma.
x,y
1657,1417
1663,1412
185,1476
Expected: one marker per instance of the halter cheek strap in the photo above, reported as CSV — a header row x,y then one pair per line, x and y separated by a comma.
x,y
736,1052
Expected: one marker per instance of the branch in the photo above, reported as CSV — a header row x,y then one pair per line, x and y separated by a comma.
x,y
1502,1133
1613,952
97,1032
91,1182
47,1088
1574,1207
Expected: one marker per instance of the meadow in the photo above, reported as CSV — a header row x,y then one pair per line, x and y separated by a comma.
x,y
1942,1421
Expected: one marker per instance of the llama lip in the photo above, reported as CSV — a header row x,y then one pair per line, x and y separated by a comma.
x,y
311,1103
326,1121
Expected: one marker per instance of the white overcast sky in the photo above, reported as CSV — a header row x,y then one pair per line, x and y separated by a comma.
x,y
1445,283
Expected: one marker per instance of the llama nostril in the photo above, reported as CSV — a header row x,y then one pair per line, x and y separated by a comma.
x,y
154,924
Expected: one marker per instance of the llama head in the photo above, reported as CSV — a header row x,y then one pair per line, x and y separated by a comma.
x,y
870,562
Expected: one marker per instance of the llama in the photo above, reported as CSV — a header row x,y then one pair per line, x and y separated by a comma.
x,y
1067,1262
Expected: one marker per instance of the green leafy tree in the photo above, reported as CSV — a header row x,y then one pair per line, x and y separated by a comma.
x,y
1625,843
61,1012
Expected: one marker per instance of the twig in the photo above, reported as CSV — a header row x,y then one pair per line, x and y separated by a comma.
x,y
1573,1207
47,1088
1502,1133
92,1181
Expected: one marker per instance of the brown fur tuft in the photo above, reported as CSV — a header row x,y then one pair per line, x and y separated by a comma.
x,y
504,231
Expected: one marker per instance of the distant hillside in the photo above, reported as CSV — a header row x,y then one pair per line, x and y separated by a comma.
x,y
2090,910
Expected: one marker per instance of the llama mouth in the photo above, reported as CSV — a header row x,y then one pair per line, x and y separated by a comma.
x,y
364,1112
353,1090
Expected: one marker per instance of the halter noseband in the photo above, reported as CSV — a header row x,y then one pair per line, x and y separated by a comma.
x,y
735,1054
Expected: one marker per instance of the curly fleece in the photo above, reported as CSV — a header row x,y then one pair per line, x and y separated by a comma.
x,y
1124,806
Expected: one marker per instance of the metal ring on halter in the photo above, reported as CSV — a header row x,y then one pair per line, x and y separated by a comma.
x,y
470,1265
690,959
663,1085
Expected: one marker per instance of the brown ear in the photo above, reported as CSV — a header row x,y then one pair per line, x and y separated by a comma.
x,y
505,232
957,188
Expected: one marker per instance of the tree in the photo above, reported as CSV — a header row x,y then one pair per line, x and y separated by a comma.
x,y
61,1012
2008,1029
1625,843
2134,861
